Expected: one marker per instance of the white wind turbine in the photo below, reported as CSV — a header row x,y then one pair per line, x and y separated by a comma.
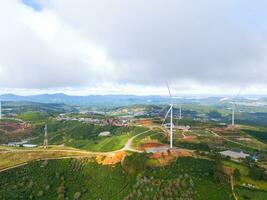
x,y
233,108
180,112
171,117
0,109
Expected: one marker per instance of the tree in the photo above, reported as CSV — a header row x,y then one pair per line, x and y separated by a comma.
x,y
219,172
214,114
237,174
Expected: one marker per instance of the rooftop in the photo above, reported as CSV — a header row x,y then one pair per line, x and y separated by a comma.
x,y
234,154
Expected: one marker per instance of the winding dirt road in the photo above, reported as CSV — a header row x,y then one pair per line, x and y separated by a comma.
x,y
77,153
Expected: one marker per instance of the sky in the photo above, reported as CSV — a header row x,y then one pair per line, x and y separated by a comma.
x,y
133,47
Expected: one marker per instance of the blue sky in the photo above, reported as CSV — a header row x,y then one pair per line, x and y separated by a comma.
x,y
33,4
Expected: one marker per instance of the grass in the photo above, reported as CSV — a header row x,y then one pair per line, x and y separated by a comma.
x,y
85,136
260,135
244,171
236,146
10,159
102,144
250,194
150,135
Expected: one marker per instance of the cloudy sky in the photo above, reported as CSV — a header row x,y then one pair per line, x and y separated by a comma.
x,y
133,46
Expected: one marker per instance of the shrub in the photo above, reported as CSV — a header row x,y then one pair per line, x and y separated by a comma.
x,y
77,195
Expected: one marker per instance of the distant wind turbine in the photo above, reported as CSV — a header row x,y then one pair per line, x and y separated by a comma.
x,y
170,111
233,108
180,112
0,109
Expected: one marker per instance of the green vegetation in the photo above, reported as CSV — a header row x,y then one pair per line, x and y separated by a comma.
x,y
154,135
192,145
258,134
61,179
250,194
136,178
14,158
34,116
84,179
20,107
248,175
85,136
102,144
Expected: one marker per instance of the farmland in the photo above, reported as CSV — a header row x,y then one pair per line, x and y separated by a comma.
x,y
84,179
80,164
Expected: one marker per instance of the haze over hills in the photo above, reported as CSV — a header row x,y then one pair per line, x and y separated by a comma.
x,y
120,100
91,100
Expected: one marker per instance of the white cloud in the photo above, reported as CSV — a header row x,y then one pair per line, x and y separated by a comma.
x,y
42,51
199,46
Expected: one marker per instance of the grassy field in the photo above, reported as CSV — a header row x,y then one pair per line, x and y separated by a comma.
x,y
10,159
154,135
244,194
102,144
85,136
245,178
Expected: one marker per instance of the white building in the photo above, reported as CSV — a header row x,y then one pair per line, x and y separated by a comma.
x,y
104,134
234,154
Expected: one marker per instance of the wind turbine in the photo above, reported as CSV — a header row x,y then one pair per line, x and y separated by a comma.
x,y
45,137
180,112
0,109
233,108
170,111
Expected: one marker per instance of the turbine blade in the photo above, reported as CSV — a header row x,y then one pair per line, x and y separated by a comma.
x,y
169,91
166,116
238,93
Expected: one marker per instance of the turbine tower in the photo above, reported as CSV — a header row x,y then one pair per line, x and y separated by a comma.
x,y
0,109
180,112
170,111
233,109
45,138
233,114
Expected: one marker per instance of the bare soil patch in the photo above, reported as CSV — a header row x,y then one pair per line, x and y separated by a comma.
x,y
165,158
112,158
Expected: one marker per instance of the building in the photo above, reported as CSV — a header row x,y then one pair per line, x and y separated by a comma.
x,y
29,145
184,128
234,154
104,134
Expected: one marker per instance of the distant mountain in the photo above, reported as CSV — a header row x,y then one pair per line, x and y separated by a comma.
x,y
18,107
91,100
113,100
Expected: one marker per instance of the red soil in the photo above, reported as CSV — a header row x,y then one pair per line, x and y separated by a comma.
x,y
144,122
170,155
189,138
151,145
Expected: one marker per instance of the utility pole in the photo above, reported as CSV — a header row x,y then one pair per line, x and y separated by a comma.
x,y
45,138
